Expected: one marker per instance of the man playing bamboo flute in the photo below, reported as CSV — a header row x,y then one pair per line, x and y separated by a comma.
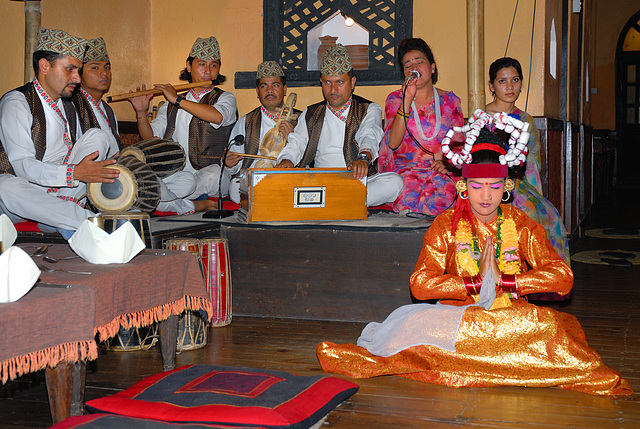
x,y
200,120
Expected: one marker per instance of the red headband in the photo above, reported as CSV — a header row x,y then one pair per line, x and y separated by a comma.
x,y
481,171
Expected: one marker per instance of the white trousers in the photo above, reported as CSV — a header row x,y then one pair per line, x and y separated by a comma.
x,y
22,200
182,185
382,188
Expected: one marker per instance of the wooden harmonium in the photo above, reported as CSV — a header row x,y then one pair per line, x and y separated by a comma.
x,y
299,194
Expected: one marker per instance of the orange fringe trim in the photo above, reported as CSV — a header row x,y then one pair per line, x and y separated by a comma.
x,y
155,314
76,351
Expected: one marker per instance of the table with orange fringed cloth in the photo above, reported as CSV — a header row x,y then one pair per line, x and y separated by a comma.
x,y
56,328
151,287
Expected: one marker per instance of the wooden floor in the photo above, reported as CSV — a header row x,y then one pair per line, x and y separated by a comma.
x,y
605,300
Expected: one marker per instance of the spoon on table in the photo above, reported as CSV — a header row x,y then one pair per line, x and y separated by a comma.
x,y
50,270
40,250
55,260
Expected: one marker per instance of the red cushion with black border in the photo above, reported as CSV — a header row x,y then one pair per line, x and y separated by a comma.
x,y
113,421
228,395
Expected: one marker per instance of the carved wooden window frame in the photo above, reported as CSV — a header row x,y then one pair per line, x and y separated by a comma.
x,y
274,12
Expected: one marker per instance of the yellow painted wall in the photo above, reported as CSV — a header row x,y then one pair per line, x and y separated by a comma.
x,y
149,41
11,45
611,17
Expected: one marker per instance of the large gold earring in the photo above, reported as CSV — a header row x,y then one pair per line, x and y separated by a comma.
x,y
509,185
461,187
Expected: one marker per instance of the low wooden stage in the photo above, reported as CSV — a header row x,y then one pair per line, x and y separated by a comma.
x,y
349,271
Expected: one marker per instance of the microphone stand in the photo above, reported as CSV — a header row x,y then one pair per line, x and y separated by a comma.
x,y
221,214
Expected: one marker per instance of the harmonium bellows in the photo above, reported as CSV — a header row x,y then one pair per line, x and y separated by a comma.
x,y
301,194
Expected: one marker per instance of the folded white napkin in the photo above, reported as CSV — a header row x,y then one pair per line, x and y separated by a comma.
x,y
99,247
18,274
8,233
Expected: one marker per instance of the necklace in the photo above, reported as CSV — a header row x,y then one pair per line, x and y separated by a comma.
x,y
416,117
468,252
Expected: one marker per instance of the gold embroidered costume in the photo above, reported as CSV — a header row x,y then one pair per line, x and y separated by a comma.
x,y
515,345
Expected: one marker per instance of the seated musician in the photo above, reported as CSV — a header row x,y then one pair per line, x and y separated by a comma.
x,y
45,171
87,100
271,87
344,130
200,120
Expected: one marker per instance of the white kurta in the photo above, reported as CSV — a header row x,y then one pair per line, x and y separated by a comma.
x,y
28,197
381,188
239,129
101,115
178,187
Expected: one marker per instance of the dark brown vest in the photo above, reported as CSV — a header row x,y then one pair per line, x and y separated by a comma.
x,y
87,116
252,125
206,144
38,127
315,118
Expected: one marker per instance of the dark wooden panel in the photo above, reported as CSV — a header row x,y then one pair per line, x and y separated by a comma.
x,y
575,177
555,163
588,166
329,274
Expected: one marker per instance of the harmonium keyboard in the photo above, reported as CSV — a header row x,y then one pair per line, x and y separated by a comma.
x,y
301,194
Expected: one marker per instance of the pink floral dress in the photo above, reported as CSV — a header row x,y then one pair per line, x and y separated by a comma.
x,y
425,191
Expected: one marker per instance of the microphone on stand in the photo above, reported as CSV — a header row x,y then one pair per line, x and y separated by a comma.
x,y
415,74
220,214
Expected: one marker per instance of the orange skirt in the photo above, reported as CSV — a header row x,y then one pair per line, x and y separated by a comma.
x,y
522,345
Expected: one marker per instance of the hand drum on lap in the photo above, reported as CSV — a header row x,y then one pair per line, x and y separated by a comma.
x,y
164,157
137,188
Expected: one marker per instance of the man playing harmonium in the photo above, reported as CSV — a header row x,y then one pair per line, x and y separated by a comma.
x,y
344,130
45,171
92,110
271,87
200,120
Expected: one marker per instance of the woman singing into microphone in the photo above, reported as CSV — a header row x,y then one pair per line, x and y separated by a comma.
x,y
417,118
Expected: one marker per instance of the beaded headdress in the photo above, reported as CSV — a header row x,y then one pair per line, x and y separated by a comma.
x,y
516,153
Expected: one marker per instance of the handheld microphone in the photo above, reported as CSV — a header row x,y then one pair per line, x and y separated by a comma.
x,y
415,74
219,214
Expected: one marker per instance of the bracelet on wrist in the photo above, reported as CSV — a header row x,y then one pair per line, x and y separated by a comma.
x,y
403,114
508,284
472,284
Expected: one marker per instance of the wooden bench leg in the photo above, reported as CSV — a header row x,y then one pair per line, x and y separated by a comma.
x,y
65,387
168,342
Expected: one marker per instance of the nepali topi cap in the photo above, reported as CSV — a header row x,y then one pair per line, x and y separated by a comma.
x,y
269,69
336,61
205,49
60,42
96,50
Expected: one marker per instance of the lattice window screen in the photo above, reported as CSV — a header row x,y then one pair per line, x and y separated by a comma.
x,y
287,22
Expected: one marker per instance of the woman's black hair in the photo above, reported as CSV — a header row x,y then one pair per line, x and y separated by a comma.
x,y
502,63
50,56
185,75
488,156
417,44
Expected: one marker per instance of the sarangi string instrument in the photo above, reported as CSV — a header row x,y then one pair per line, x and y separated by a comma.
x,y
273,141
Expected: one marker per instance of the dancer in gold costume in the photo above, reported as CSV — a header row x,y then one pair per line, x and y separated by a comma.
x,y
483,258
